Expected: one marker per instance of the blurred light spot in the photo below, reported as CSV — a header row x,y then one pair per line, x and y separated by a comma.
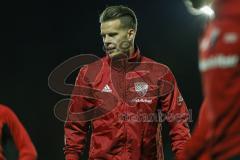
x,y
207,10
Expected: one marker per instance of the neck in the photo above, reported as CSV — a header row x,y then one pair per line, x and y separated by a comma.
x,y
131,51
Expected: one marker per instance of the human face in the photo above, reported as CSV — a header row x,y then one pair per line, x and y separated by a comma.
x,y
113,34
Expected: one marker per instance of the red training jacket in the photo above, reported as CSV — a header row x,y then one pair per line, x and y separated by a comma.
x,y
21,139
124,100
217,136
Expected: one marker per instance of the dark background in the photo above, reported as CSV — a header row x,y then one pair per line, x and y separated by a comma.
x,y
49,32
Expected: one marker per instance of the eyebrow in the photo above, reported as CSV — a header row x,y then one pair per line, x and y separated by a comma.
x,y
108,33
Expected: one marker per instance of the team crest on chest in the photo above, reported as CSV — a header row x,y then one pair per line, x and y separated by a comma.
x,y
141,88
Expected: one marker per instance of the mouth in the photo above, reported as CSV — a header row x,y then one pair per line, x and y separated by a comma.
x,y
110,48
110,51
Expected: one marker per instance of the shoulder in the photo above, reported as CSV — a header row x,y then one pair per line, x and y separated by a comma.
x,y
90,71
149,60
156,67
96,65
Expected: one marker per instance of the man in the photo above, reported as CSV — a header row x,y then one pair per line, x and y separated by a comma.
x,y
21,139
217,135
128,90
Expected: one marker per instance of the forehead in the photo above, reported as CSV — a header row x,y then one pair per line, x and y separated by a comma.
x,y
111,25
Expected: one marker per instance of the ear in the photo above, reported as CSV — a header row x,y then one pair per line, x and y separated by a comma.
x,y
131,34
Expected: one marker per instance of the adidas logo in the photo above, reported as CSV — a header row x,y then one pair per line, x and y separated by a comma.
x,y
107,89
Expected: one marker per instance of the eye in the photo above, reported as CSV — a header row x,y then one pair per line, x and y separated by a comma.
x,y
113,34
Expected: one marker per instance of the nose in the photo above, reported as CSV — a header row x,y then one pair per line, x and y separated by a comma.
x,y
107,39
